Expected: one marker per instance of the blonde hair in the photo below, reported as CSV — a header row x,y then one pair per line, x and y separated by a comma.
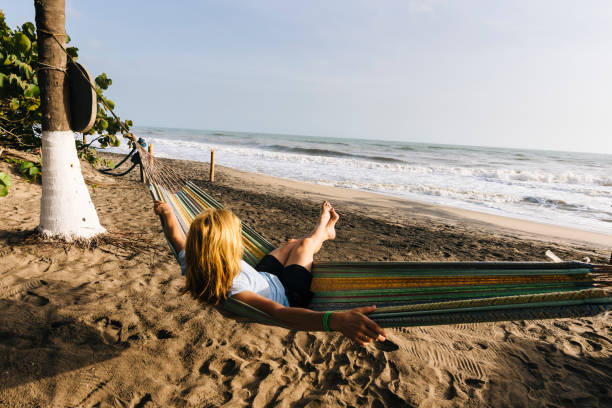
x,y
212,255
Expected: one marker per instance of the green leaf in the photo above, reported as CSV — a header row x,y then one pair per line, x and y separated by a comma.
x,y
103,142
16,82
29,30
34,91
25,165
102,124
111,164
5,179
25,70
10,59
35,104
103,81
20,96
22,42
73,52
5,183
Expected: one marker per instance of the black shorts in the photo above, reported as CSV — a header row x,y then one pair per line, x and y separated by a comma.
x,y
295,279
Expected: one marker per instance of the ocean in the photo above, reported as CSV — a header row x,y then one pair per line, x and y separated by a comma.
x,y
560,188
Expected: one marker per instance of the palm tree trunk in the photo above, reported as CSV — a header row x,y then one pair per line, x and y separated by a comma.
x,y
66,209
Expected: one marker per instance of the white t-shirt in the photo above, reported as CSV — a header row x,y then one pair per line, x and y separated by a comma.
x,y
263,283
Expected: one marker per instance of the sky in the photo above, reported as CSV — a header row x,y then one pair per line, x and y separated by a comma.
x,y
523,74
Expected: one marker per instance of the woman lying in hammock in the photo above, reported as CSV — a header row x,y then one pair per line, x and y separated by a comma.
x,y
211,259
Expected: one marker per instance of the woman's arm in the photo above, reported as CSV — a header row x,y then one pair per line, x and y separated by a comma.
x,y
171,226
352,323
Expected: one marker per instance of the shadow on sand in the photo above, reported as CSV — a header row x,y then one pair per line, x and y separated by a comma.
x,y
36,342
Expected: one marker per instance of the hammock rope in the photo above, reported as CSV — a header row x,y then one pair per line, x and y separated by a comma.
x,y
410,293
435,304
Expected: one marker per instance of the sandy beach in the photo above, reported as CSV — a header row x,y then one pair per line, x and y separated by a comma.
x,y
108,325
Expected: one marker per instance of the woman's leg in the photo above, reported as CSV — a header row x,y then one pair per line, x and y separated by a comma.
x,y
283,252
296,276
303,253
304,250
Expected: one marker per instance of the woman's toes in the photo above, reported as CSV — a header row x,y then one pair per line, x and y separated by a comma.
x,y
325,211
334,215
325,207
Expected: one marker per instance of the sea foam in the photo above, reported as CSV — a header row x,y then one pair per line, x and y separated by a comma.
x,y
571,189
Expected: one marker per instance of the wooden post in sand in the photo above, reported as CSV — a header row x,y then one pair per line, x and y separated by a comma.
x,y
212,165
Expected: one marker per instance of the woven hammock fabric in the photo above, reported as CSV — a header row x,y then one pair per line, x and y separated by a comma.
x,y
421,293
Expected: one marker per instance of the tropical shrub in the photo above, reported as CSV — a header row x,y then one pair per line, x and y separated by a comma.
x,y
20,115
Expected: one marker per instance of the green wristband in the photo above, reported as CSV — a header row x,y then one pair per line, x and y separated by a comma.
x,y
325,318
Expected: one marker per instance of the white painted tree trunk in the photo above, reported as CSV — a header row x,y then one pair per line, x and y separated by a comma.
x,y
66,210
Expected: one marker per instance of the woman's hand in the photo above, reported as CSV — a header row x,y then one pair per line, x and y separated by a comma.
x,y
170,224
355,325
161,208
352,323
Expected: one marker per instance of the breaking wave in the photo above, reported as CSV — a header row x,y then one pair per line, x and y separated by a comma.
x,y
573,189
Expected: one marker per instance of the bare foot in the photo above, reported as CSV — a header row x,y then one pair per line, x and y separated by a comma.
x,y
321,228
330,228
325,214
326,208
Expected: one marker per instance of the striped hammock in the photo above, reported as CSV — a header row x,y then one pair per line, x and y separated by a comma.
x,y
421,293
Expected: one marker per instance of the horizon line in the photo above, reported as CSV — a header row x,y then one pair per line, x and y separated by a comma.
x,y
374,140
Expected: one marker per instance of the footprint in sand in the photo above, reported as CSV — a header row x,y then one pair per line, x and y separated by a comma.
x,y
573,348
34,299
596,341
110,330
595,346
230,368
89,389
164,334
217,368
263,371
249,352
462,346
28,285
139,401
475,382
